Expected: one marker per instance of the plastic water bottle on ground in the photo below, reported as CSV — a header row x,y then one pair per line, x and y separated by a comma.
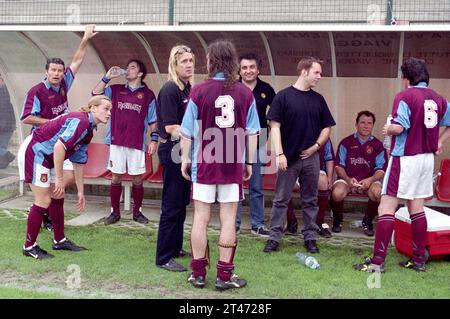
x,y
387,138
308,261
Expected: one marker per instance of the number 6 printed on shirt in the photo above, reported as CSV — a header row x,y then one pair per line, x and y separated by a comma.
x,y
226,104
431,117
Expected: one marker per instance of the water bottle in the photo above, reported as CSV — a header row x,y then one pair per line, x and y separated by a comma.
x,y
120,72
387,138
308,261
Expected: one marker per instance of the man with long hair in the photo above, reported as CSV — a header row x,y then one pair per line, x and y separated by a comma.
x,y
172,101
221,115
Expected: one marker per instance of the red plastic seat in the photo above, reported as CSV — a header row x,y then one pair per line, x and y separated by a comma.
x,y
443,181
148,170
157,177
98,154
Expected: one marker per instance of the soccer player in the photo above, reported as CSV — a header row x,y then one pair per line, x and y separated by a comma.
x,y
48,99
326,154
249,65
176,193
361,161
300,123
41,158
417,113
134,108
220,116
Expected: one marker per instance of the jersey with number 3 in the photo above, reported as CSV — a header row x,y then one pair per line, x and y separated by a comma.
x,y
217,119
420,111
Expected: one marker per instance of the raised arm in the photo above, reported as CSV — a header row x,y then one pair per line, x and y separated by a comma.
x,y
78,57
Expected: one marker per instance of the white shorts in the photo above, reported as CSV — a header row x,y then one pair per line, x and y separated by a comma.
x,y
121,158
409,177
227,193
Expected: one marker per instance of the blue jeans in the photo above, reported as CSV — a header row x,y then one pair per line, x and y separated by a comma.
x,y
256,198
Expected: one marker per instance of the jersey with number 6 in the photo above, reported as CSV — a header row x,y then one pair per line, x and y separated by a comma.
x,y
217,119
420,111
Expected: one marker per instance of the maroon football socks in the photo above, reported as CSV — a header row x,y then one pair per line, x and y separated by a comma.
x,y
322,200
56,212
115,193
385,227
138,196
419,235
34,224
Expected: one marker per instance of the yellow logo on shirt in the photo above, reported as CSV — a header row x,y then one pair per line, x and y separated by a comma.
x,y
263,95
369,149
140,96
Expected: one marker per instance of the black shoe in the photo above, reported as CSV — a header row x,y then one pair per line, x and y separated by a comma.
x,y
198,282
337,228
311,246
291,229
238,230
271,245
261,231
67,245
140,218
324,231
367,227
112,219
234,282
184,253
172,265
368,266
410,264
47,222
37,253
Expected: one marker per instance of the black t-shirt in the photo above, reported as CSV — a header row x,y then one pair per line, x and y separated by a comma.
x,y
303,115
171,106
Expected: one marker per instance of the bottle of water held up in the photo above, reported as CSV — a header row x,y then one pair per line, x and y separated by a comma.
x,y
120,72
308,261
387,138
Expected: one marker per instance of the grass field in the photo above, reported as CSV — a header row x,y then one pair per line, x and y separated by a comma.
x,y
120,264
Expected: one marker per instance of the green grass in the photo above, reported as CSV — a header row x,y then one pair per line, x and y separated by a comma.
x,y
120,263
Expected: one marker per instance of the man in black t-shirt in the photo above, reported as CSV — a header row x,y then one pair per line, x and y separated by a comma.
x,y
300,124
176,194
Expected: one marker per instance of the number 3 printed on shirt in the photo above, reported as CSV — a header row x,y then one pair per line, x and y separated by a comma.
x,y
431,117
226,104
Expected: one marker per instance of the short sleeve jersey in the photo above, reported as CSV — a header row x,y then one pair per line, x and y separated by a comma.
x,y
133,109
361,159
217,119
74,130
420,111
171,106
46,101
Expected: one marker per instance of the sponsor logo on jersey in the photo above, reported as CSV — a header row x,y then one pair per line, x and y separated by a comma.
x,y
44,178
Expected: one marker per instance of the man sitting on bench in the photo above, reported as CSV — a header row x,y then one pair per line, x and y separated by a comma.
x,y
360,165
